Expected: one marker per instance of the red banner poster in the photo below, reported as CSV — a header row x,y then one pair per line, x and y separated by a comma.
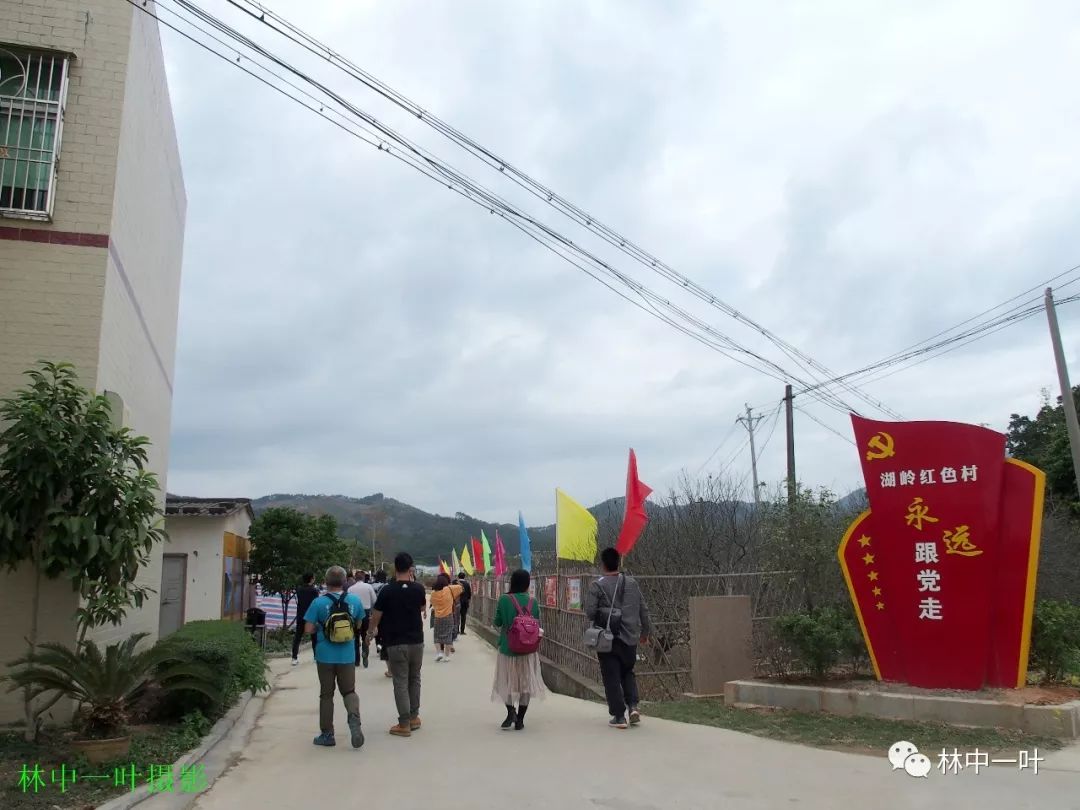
x,y
941,570
551,592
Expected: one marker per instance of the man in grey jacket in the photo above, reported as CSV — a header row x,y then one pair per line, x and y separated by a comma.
x,y
617,590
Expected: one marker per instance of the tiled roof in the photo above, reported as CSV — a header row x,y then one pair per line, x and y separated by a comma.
x,y
206,507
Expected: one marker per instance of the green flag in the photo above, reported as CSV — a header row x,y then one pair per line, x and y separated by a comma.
x,y
487,552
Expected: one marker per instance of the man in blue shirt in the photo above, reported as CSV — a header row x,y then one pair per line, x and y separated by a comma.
x,y
335,661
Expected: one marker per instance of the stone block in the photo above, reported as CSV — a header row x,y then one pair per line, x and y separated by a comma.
x,y
884,704
747,693
731,693
795,698
1053,721
838,701
958,711
720,642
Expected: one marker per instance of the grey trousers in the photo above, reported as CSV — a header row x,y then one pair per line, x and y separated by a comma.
x,y
405,662
342,676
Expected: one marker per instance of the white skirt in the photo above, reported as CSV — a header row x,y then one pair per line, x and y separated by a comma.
x,y
517,676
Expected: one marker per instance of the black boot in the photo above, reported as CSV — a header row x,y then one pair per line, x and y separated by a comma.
x,y
519,724
509,721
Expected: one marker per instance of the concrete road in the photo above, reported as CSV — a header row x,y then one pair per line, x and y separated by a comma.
x,y
567,758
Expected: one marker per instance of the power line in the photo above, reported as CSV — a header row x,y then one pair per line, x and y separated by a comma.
x,y
434,169
294,34
832,430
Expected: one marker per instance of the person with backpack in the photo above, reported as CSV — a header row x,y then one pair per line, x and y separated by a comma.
x,y
335,618
614,604
517,669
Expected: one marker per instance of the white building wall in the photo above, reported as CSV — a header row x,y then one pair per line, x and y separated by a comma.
x,y
142,282
202,539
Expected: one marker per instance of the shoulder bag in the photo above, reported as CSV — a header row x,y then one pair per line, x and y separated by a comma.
x,y
601,639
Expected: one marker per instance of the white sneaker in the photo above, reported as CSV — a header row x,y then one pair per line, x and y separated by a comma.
x,y
295,662
438,658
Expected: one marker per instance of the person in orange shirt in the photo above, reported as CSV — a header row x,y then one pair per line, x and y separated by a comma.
x,y
443,597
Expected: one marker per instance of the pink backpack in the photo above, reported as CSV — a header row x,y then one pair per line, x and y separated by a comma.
x,y
523,637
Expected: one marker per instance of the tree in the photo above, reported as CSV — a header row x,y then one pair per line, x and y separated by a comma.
x,y
75,501
1044,442
286,544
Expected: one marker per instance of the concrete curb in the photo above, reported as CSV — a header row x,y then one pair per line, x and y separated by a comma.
x,y
1062,720
249,706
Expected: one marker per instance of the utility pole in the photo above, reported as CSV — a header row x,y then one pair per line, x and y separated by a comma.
x,y
1067,401
750,422
789,406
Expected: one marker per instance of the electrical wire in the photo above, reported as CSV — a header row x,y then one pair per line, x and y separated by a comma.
x,y
455,181
294,34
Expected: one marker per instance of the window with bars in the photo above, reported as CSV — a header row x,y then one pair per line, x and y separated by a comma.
x,y
33,87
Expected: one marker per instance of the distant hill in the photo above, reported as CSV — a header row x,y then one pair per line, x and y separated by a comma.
x,y
399,526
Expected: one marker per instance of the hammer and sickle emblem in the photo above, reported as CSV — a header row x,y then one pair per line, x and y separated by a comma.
x,y
880,446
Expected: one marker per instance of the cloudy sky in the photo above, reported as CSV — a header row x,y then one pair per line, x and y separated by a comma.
x,y
853,176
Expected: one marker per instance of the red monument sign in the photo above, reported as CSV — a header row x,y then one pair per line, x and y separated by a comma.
x,y
941,568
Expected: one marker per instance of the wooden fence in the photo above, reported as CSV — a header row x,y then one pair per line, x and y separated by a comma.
x,y
663,668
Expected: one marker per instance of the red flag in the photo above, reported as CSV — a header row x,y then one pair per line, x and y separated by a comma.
x,y
442,567
636,517
477,556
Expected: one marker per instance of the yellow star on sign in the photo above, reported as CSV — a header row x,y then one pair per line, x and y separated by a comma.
x,y
877,591
880,605
868,559
873,576
864,541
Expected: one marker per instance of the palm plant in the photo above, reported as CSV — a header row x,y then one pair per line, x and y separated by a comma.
x,y
107,682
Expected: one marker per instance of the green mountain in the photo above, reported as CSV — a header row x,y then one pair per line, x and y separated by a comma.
x,y
397,526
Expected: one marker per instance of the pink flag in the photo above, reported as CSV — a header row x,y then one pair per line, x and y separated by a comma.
x,y
635,517
500,556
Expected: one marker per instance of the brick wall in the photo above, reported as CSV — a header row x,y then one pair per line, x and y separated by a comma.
x,y
110,310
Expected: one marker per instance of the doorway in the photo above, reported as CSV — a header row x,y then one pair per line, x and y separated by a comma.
x,y
173,593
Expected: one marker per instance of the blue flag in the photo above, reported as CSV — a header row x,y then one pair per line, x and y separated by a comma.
x,y
526,547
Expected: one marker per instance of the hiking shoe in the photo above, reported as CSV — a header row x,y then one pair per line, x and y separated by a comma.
x,y
415,724
355,732
618,722
365,659
635,717
400,731
326,738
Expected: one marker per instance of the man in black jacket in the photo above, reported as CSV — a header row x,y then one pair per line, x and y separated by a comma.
x,y
466,597
305,595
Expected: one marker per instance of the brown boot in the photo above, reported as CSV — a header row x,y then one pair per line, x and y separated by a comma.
x,y
415,724
400,730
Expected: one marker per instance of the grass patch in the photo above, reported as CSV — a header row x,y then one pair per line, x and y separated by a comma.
x,y
150,745
862,734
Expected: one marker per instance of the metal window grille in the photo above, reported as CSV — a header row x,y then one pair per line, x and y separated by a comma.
x,y
33,89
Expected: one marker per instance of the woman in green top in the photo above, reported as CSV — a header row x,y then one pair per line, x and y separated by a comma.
x,y
517,677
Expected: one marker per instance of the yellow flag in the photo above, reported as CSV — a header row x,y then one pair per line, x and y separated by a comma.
x,y
575,529
466,560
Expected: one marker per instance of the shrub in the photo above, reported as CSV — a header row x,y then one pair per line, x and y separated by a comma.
x,y
228,649
1055,639
820,636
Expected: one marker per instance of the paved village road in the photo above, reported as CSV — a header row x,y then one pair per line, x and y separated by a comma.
x,y
567,758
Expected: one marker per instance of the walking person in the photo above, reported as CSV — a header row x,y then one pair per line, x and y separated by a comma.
x,y
466,598
335,617
366,594
305,595
398,617
615,601
443,596
518,680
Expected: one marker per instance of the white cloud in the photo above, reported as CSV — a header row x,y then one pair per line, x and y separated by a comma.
x,y
855,177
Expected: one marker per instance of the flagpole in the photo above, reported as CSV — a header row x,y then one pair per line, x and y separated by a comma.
x,y
558,581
